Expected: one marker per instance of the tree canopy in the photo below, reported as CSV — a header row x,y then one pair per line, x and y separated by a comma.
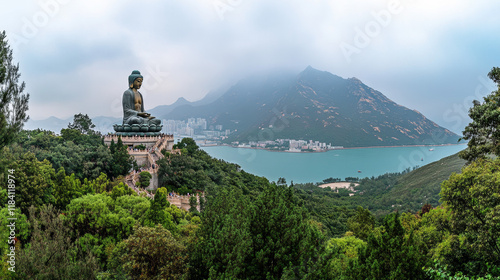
x,y
483,132
13,102
83,124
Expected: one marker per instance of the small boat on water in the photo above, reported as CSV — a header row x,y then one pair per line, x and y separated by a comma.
x,y
359,171
431,149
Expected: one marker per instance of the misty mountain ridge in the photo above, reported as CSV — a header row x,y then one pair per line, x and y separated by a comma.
x,y
54,124
316,105
312,105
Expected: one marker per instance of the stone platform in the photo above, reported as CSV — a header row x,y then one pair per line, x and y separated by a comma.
x,y
137,130
146,158
148,141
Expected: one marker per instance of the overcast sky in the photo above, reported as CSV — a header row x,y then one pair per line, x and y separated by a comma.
x,y
75,55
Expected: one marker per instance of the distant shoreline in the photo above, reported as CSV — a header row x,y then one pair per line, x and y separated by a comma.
x,y
344,148
433,145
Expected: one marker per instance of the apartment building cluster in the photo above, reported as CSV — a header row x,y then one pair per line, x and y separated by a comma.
x,y
301,145
196,128
289,145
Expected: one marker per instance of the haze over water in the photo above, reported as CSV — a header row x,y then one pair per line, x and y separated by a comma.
x,y
315,167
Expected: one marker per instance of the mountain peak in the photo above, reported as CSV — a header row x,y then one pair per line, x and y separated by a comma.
x,y
356,80
311,73
310,69
316,105
181,101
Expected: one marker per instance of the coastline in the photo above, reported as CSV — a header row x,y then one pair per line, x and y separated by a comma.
x,y
421,145
344,148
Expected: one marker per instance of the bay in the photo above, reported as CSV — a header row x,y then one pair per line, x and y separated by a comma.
x,y
315,167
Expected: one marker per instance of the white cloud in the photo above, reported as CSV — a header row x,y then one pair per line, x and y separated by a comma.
x,y
80,59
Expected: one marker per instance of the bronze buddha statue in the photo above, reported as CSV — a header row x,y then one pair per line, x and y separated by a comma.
x,y
133,103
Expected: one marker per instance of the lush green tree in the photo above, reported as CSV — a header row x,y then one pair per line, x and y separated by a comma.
x,y
106,216
68,155
281,182
37,139
114,266
473,198
431,234
96,162
362,223
483,132
188,144
80,132
99,185
52,254
391,253
225,245
21,229
124,208
144,179
192,204
153,253
99,221
178,215
8,155
326,207
186,171
236,242
72,135
97,214
157,213
81,153
84,155
440,271
120,190
13,102
198,171
202,202
112,146
34,182
67,188
342,253
122,161
285,238
83,124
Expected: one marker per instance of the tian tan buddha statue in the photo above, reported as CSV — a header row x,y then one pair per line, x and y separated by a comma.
x,y
136,122
133,103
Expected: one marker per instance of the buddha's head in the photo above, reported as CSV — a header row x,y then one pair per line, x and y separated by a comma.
x,y
135,79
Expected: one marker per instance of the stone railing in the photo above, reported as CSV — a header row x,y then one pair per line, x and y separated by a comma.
x,y
132,138
133,178
182,201
158,146
151,162
135,151
162,143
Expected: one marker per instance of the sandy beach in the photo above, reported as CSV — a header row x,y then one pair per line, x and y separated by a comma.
x,y
338,185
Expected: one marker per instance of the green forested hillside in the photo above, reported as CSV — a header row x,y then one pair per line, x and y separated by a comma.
x,y
249,228
408,192
425,182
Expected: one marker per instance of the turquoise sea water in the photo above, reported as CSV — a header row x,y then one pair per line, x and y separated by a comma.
x,y
314,167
